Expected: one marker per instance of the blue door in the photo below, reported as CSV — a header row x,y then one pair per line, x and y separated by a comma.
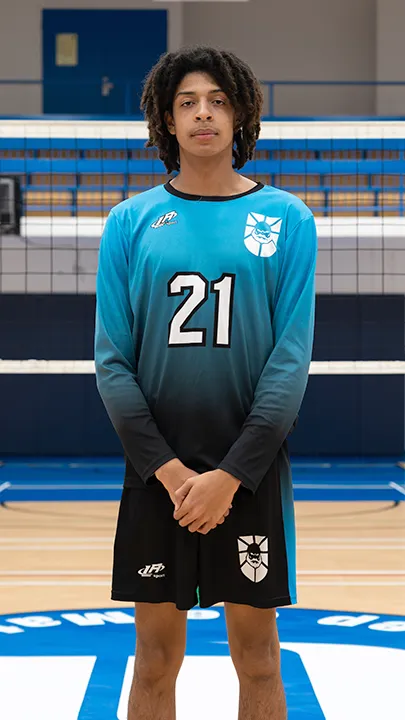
x,y
94,61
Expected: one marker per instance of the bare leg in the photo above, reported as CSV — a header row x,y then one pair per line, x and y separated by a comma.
x,y
255,651
160,648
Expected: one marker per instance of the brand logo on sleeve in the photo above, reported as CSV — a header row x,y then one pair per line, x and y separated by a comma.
x,y
262,234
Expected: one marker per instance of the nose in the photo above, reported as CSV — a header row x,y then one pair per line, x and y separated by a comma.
x,y
203,110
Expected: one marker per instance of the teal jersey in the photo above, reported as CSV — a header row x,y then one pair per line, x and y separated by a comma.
x,y
204,327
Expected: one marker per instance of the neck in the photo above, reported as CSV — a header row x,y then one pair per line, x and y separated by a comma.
x,y
210,176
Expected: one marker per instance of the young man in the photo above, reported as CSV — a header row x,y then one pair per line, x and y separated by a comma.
x,y
205,312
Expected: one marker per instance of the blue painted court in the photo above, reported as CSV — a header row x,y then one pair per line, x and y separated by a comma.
x,y
333,665
75,479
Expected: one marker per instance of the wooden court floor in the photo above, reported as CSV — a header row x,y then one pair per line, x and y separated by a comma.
x,y
57,555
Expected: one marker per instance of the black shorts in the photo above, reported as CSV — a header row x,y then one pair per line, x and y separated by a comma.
x,y
249,559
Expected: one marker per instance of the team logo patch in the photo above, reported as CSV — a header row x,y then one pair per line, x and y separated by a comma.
x,y
167,219
254,556
261,234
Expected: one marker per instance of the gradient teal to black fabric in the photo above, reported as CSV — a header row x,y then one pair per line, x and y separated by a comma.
x,y
204,328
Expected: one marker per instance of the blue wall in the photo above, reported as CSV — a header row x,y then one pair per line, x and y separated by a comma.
x,y
118,45
63,414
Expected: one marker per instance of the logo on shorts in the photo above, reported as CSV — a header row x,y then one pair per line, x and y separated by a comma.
x,y
254,556
155,571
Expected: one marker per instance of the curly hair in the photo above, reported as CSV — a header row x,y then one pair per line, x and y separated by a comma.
x,y
233,76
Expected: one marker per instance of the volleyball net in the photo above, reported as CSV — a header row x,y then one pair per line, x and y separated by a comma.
x,y
59,180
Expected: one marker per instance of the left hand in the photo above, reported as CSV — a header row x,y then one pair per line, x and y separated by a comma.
x,y
202,501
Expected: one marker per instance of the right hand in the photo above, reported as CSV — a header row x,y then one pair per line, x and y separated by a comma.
x,y
173,475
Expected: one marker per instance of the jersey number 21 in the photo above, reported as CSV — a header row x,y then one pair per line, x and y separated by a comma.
x,y
199,287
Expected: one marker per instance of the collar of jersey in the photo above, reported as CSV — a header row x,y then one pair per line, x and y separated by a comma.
x,y
210,198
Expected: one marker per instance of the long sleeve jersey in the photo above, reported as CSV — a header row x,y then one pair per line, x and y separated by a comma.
x,y
204,327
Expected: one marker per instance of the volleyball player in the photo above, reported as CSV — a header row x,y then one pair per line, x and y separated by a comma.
x,y
204,329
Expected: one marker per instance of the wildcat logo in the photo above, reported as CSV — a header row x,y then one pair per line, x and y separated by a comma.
x,y
262,234
254,556
167,219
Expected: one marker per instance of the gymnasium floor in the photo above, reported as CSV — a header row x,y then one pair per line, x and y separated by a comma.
x,y
342,646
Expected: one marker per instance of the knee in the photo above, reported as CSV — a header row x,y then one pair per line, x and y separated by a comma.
x,y
257,663
157,663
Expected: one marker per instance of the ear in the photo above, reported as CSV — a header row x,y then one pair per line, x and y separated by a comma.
x,y
170,123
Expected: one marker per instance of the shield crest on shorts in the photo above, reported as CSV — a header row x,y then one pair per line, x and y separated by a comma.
x,y
254,556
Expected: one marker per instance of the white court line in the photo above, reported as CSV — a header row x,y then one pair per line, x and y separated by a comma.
x,y
53,583
53,573
400,488
328,547
296,485
338,486
44,687
65,466
354,573
57,548
93,486
121,466
55,539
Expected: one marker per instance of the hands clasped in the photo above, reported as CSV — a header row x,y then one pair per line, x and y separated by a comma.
x,y
204,501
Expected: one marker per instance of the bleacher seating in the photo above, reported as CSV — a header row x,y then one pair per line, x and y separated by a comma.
x,y
69,177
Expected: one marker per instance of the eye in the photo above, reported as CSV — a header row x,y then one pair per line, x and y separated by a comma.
x,y
186,103
219,101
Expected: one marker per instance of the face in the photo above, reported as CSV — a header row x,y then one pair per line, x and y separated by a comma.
x,y
253,555
203,119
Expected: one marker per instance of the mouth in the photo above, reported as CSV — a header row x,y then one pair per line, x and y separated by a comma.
x,y
207,132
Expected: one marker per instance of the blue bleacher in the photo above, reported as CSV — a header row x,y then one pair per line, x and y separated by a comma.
x,y
88,176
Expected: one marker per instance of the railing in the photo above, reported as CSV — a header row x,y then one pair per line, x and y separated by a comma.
x,y
273,84
128,93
